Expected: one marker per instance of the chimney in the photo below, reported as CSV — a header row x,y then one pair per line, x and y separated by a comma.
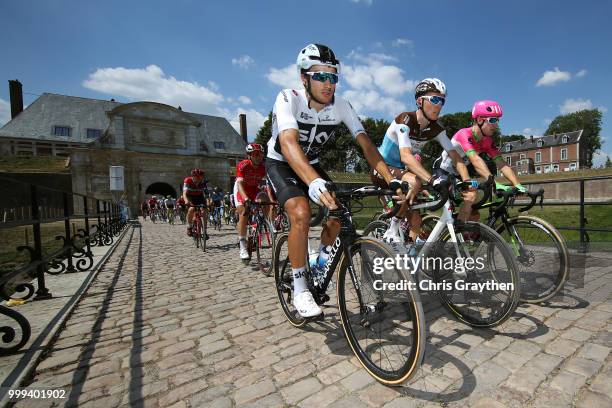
x,y
243,127
531,137
16,95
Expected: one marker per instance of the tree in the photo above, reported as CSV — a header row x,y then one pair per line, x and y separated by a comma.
x,y
589,120
376,129
608,162
265,132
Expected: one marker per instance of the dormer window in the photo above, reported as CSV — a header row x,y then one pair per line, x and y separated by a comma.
x,y
508,147
61,131
540,143
564,139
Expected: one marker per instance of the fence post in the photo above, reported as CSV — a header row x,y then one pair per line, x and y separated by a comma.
x,y
68,241
583,243
100,229
87,237
42,292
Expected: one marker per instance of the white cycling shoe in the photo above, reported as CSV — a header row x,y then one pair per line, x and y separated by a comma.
x,y
244,254
305,305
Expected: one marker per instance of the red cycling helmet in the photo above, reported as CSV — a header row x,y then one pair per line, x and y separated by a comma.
x,y
254,147
197,172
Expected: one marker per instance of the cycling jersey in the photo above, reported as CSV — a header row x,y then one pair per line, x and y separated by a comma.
x,y
405,131
217,198
194,189
152,203
292,111
170,202
467,142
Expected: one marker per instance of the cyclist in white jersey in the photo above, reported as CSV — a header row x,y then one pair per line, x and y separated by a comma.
x,y
302,122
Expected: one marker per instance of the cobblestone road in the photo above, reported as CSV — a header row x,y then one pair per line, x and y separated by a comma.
x,y
165,325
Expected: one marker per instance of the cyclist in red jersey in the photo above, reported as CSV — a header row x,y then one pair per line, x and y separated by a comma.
x,y
249,174
194,193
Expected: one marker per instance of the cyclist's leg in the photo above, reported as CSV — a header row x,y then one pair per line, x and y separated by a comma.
x,y
241,226
292,195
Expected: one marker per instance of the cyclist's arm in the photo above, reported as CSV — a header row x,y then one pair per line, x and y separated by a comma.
x,y
241,189
508,172
479,164
459,165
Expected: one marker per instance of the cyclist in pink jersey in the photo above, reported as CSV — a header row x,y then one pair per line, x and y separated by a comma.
x,y
475,144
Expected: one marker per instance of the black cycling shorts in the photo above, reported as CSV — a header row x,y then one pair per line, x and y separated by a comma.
x,y
285,183
196,199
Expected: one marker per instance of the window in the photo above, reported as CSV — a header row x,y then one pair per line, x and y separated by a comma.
x,y
540,143
94,133
564,139
61,131
538,157
555,167
563,154
220,145
538,169
547,169
508,147
509,160
573,166
523,157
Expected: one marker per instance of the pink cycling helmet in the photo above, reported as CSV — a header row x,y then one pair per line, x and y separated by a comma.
x,y
487,109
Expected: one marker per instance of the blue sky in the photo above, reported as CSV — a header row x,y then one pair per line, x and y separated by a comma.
x,y
538,59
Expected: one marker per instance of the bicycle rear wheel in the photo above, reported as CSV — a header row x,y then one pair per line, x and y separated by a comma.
x,y
481,282
376,229
542,256
202,235
283,279
384,327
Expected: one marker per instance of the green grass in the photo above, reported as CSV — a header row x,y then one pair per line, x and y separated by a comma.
x,y
47,164
11,238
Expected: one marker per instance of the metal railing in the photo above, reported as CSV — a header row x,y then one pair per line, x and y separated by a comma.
x,y
24,204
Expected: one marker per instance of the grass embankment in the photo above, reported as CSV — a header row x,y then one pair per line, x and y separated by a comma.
x,y
33,164
11,238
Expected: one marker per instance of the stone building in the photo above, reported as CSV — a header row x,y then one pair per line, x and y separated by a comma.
x,y
157,144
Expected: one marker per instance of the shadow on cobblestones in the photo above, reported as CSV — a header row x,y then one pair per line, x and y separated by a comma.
x,y
136,372
86,355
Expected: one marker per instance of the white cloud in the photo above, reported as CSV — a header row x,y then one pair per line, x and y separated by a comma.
x,y
243,62
389,78
530,132
286,77
5,112
402,42
574,105
255,120
581,73
603,109
369,58
244,99
366,2
547,121
553,77
152,84
372,101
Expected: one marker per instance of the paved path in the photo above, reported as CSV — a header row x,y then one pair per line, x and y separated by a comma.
x,y
165,325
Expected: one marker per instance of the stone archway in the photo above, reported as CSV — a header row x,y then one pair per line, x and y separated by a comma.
x,y
160,188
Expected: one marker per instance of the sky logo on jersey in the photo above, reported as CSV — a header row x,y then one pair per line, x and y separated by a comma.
x,y
310,135
305,116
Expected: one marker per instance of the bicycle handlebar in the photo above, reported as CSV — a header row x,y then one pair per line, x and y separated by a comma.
x,y
507,195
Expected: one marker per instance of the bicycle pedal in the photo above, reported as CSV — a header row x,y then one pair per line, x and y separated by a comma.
x,y
323,299
316,318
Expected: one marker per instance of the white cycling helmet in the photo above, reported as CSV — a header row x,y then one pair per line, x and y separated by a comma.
x,y
316,54
429,85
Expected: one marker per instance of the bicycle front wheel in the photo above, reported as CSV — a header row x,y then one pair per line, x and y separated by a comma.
x,y
477,276
382,316
542,255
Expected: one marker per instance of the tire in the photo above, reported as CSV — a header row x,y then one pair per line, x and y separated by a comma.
x,y
317,216
375,229
499,265
365,311
265,247
283,280
202,236
544,267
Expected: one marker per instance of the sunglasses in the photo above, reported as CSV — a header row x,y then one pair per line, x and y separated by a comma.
x,y
324,76
493,121
435,99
